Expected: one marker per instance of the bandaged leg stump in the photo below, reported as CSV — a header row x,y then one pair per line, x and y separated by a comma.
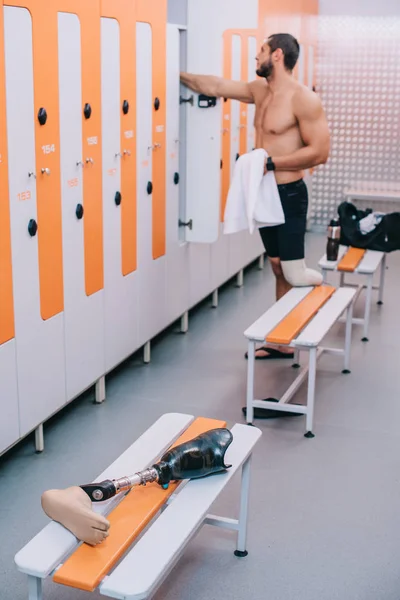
x,y
363,264
299,320
152,515
297,274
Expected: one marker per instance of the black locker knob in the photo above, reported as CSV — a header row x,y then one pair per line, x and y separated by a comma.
x,y
221,164
42,116
118,198
79,211
32,227
176,178
157,103
149,188
125,107
87,111
237,156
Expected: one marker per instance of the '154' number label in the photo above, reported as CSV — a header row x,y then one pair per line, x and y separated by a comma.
x,y
48,149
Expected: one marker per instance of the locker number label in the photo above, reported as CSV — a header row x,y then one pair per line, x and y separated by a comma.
x,y
92,141
49,148
73,182
23,196
128,134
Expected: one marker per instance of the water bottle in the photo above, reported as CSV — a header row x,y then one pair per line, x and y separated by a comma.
x,y
332,246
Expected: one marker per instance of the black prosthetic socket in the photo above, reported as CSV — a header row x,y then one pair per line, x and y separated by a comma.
x,y
202,456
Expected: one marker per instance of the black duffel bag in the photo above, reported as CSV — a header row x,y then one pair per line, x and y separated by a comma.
x,y
385,237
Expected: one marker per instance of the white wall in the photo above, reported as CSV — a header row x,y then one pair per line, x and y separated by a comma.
x,y
360,8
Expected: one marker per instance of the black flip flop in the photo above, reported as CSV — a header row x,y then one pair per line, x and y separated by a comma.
x,y
269,413
272,354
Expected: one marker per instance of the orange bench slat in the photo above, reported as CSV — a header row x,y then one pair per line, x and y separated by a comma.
x,y
300,316
351,260
88,565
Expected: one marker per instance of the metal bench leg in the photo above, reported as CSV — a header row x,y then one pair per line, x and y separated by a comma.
x,y
324,276
250,382
241,551
100,390
382,281
147,353
312,372
296,362
39,439
261,262
368,308
347,348
239,279
341,279
185,322
215,299
35,588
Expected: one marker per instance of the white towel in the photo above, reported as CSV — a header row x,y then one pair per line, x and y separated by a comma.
x,y
253,199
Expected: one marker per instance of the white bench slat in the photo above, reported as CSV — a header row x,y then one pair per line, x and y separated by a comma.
x,y
370,262
378,194
274,315
316,330
324,263
144,567
54,543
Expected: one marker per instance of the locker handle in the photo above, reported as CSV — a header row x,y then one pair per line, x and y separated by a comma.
x,y
79,211
87,111
237,156
176,178
149,188
118,198
157,103
125,107
42,116
32,227
46,171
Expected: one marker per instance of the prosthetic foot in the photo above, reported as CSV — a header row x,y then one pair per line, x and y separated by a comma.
x,y
298,275
72,508
199,457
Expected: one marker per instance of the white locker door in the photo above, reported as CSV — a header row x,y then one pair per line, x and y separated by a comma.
x,y
251,109
177,258
237,241
151,273
39,343
253,246
9,425
121,292
84,346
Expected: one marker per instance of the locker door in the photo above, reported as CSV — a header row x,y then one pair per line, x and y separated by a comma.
x,y
9,426
237,241
121,291
39,342
151,272
251,109
177,258
83,317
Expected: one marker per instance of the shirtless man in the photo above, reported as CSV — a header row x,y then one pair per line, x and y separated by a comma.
x,y
291,126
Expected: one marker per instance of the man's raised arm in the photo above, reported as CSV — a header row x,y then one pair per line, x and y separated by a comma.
x,y
218,87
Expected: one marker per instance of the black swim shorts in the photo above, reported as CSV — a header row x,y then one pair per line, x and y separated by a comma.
x,y
287,241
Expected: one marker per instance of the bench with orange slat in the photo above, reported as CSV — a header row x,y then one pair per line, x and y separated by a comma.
x,y
361,264
145,541
299,320
87,566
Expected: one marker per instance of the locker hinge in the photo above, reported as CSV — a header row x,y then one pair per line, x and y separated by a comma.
x,y
189,100
188,224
